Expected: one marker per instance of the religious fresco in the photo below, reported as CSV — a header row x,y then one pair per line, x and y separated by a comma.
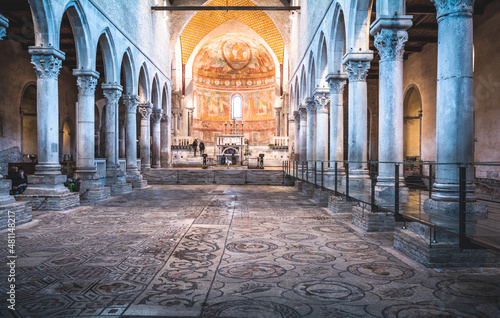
x,y
227,65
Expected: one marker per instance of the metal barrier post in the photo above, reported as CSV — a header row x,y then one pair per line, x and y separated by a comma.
x,y
372,195
336,171
462,205
283,169
322,177
430,180
315,173
302,171
307,171
396,188
346,181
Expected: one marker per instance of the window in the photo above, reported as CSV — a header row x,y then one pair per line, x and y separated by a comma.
x,y
237,104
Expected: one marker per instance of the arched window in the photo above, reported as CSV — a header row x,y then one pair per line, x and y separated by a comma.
x,y
237,104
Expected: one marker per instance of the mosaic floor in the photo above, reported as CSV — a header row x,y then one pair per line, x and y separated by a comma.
x,y
226,251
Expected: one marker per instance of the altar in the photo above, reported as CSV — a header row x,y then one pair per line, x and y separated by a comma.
x,y
230,147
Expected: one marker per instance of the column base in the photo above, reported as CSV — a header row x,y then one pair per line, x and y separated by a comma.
x,y
135,177
54,202
450,192
118,183
298,185
385,193
40,185
414,243
96,194
92,188
446,209
156,166
368,221
308,188
339,205
321,197
5,187
20,210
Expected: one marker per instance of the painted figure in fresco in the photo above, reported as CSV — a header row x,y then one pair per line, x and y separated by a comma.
x,y
251,104
203,104
270,101
213,107
224,105
262,105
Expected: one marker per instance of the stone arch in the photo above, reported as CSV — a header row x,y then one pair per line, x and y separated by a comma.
x,y
68,138
311,83
412,127
127,75
143,85
338,40
291,99
43,21
359,25
81,32
164,99
28,110
303,85
155,92
108,52
297,94
323,61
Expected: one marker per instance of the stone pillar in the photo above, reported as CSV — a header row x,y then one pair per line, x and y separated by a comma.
x,y
390,38
357,65
454,103
311,130
145,112
156,117
47,178
296,118
175,122
112,93
4,24
303,133
291,138
122,140
336,83
166,142
322,100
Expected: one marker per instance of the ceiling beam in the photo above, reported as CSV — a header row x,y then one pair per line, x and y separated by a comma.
x,y
224,8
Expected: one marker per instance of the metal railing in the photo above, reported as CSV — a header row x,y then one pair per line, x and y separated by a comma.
x,y
440,195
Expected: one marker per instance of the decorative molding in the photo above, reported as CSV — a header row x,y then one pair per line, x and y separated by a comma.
x,y
145,110
310,107
131,102
357,71
390,44
156,114
322,101
337,85
112,95
46,66
86,85
447,7
165,118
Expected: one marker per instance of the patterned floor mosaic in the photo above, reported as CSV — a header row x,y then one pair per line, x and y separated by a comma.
x,y
226,251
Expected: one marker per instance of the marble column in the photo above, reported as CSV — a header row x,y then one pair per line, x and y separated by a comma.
x,y
311,131
336,83
291,138
303,133
112,93
357,65
166,142
156,117
322,101
85,145
131,102
144,110
122,140
47,179
390,38
297,149
454,102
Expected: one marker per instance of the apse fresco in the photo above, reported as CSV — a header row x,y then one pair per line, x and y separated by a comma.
x,y
227,65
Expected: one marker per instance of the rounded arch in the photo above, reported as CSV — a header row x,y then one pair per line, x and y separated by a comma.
x,y
359,25
338,40
108,51
81,32
323,61
303,85
311,83
297,94
28,110
164,99
127,77
412,127
155,92
143,86
43,21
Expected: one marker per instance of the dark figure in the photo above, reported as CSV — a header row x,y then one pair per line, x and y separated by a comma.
x,y
16,180
195,146
23,179
202,148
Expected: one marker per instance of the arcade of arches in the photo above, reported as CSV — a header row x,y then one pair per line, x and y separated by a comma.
x,y
114,93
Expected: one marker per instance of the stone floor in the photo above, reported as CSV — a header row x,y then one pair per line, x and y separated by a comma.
x,y
226,251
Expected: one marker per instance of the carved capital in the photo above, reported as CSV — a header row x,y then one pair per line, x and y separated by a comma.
x,y
165,118
390,44
86,85
112,95
46,66
303,113
447,7
322,99
145,110
336,85
131,102
310,107
296,117
357,71
156,114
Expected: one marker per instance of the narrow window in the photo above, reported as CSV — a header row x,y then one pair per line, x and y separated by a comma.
x,y
237,104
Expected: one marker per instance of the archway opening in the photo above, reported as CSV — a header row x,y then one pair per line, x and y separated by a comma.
x,y
29,121
412,130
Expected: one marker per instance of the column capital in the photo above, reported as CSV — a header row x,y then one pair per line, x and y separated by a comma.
x,y
322,99
390,44
46,61
131,102
310,107
4,24
296,116
455,7
145,110
165,118
336,83
156,114
303,113
357,65
400,22
86,81
112,92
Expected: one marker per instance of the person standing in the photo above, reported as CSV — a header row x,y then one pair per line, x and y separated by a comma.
x,y
195,146
202,148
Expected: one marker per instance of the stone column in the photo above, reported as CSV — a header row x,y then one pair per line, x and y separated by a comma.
x,y
390,38
166,142
336,83
145,112
322,100
291,138
311,131
303,133
131,102
122,140
112,93
85,145
47,179
297,150
454,102
357,65
156,117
